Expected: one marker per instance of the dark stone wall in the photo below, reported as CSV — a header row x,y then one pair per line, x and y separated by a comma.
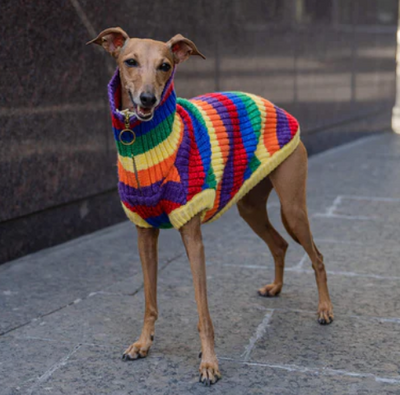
x,y
331,64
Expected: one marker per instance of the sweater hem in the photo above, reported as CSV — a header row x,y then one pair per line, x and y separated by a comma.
x,y
135,218
261,173
200,203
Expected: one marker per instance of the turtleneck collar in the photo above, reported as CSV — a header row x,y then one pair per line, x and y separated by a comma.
x,y
166,107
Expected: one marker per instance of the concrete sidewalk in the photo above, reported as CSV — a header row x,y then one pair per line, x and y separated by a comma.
x,y
68,313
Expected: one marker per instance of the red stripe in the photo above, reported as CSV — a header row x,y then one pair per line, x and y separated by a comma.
x,y
117,123
196,174
164,206
293,124
170,89
239,152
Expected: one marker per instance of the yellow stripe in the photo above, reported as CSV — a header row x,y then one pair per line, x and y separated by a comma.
x,y
157,154
262,171
199,204
135,218
217,162
261,151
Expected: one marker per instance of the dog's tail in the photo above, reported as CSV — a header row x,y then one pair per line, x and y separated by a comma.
x,y
287,227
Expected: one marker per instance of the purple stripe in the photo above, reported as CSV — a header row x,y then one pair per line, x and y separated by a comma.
x,y
183,155
228,176
283,131
151,195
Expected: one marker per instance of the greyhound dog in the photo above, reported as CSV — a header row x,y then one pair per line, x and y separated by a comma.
x,y
184,162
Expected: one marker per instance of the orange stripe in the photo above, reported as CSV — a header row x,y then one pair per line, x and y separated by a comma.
x,y
220,130
211,212
224,145
154,173
151,175
269,134
173,175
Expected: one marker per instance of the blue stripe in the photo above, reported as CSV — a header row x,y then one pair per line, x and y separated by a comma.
x,y
228,176
247,132
159,220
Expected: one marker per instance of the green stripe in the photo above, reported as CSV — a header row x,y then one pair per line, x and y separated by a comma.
x,y
165,225
254,163
254,115
149,140
210,179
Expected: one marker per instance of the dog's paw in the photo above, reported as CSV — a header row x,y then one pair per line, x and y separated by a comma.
x,y
270,290
137,350
325,313
209,373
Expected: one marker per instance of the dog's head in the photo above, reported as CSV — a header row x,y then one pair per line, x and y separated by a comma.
x,y
145,65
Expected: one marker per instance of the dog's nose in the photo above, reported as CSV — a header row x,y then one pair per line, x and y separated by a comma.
x,y
147,99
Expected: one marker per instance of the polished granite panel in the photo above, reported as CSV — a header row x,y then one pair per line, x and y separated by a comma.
x,y
67,159
323,77
43,57
30,233
54,144
326,64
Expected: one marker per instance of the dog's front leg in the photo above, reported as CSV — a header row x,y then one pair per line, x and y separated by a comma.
x,y
192,239
147,244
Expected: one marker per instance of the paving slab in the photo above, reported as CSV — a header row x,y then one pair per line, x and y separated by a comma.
x,y
351,345
23,362
116,319
46,281
95,371
368,208
368,233
369,260
358,169
237,311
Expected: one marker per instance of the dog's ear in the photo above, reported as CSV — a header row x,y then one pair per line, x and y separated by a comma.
x,y
111,39
182,48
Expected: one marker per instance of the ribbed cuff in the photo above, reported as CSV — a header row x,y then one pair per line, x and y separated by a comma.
x,y
200,203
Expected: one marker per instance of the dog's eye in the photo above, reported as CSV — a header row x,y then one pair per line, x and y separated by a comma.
x,y
165,67
131,63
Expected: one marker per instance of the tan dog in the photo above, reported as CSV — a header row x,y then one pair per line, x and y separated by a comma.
x,y
145,66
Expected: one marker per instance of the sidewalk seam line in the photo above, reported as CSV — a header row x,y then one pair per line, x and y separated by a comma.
x,y
49,372
316,371
40,316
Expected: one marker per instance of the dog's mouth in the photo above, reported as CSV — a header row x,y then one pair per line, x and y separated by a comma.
x,y
144,114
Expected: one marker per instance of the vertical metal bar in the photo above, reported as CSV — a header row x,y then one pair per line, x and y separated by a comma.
x,y
217,62
396,108
353,54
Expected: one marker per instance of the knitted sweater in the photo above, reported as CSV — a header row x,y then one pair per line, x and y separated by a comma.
x,y
197,156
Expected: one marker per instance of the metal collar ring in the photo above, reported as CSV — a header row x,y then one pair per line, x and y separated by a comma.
x,y
133,137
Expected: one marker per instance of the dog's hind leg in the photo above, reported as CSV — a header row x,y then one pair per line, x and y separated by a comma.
x,y
253,209
289,181
147,245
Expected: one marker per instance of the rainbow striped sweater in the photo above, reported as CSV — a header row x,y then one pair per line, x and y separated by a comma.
x,y
197,156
